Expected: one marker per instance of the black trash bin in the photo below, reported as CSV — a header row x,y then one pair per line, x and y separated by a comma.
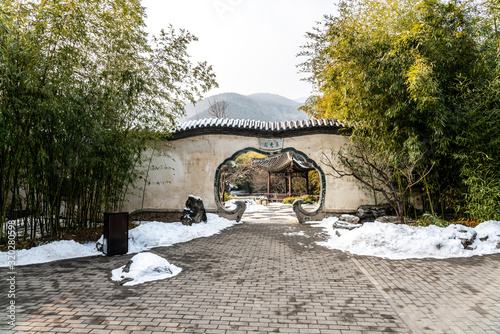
x,y
115,233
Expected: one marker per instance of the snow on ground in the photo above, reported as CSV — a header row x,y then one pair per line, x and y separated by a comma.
x,y
301,233
57,250
377,239
155,234
143,237
394,241
252,206
144,267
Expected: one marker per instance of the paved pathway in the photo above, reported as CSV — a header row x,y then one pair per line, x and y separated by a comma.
x,y
275,213
262,278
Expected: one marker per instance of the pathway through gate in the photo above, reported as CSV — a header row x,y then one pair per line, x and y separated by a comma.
x,y
274,213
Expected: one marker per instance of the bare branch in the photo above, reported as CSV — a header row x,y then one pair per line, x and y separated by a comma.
x,y
218,108
375,170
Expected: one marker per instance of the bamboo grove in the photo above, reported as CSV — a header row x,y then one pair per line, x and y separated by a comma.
x,y
83,92
418,81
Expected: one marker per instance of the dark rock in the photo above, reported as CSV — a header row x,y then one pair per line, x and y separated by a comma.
x,y
346,225
99,245
194,212
392,220
126,268
125,280
372,212
349,219
467,240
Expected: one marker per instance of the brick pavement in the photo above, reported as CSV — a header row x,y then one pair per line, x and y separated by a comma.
x,y
460,295
262,278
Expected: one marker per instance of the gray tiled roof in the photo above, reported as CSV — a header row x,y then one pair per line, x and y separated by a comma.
x,y
246,127
280,162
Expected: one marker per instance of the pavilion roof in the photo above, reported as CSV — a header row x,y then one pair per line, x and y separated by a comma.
x,y
287,161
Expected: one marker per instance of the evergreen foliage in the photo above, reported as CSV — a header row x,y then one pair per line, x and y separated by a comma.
x,y
81,94
416,80
308,199
479,153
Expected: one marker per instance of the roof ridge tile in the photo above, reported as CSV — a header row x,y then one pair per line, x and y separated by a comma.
x,y
268,128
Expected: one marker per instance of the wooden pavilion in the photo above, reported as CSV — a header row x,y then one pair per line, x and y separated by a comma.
x,y
288,165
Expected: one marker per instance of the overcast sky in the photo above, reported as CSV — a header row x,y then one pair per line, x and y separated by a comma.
x,y
252,44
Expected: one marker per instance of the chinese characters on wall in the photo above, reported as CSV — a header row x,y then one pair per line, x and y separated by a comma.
x,y
271,144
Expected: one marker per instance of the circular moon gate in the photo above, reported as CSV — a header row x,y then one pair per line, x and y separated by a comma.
x,y
238,212
197,150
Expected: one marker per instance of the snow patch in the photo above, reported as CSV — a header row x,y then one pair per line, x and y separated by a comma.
x,y
252,206
196,197
143,237
396,241
155,234
144,267
301,233
56,250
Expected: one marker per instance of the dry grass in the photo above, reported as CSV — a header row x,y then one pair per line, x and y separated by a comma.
x,y
466,222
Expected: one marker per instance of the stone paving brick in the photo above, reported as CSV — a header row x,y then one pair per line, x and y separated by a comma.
x,y
262,278
450,296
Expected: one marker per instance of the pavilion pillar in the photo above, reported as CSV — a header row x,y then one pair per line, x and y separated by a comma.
x,y
307,182
223,186
289,184
268,184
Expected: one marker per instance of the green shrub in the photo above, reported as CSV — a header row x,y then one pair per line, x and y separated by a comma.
x,y
483,197
228,197
290,200
428,219
309,199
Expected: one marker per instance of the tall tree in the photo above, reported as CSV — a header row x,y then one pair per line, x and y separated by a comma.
x,y
81,90
392,68
478,155
396,72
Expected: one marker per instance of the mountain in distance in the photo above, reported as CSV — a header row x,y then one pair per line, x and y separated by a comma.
x,y
260,107
302,100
